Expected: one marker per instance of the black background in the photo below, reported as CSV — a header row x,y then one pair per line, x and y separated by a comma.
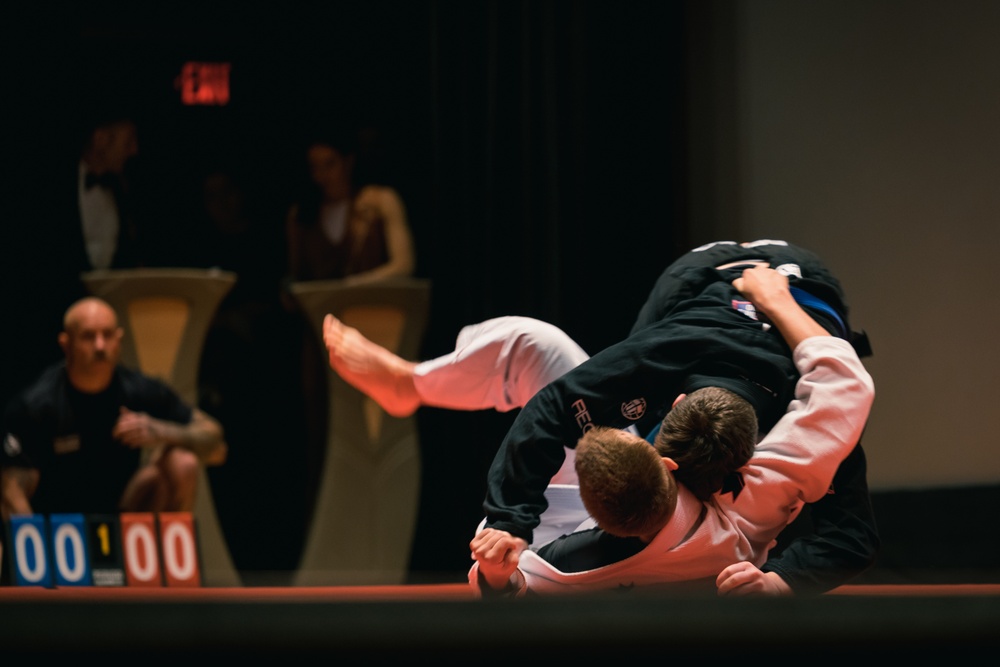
x,y
537,147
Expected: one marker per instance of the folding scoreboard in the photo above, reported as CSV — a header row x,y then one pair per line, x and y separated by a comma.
x,y
139,549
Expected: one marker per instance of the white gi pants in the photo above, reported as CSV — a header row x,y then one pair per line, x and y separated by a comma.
x,y
500,364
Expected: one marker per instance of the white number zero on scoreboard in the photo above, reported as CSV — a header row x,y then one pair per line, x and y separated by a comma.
x,y
67,539
140,551
29,536
178,551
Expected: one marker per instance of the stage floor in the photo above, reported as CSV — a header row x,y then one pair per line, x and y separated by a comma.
x,y
429,592
447,623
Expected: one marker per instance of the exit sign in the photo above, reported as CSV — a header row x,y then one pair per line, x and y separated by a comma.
x,y
204,84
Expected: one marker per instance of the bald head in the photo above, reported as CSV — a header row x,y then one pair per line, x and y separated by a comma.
x,y
91,341
86,309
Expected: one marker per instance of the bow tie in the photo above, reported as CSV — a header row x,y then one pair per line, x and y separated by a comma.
x,y
106,180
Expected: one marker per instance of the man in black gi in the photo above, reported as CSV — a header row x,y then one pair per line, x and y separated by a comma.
x,y
695,330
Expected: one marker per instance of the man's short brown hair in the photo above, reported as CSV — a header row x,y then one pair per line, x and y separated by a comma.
x,y
710,434
624,483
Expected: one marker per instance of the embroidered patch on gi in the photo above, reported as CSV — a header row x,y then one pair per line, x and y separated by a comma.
x,y
634,409
789,270
66,444
11,445
746,308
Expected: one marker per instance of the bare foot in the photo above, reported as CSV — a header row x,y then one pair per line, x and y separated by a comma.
x,y
370,368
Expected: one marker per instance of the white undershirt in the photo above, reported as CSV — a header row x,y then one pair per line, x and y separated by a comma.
x,y
333,218
99,215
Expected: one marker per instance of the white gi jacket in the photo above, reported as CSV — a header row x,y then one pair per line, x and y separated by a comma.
x,y
793,465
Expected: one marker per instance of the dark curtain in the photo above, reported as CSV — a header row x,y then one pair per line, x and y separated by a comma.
x,y
538,145
555,192
555,158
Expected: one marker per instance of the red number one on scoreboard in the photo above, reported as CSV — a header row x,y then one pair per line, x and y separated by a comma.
x,y
179,549
140,549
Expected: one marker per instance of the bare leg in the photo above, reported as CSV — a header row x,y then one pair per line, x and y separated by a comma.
x,y
167,484
145,492
179,467
370,368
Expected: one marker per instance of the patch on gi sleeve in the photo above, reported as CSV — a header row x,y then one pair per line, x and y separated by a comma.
x,y
746,308
66,444
789,270
634,409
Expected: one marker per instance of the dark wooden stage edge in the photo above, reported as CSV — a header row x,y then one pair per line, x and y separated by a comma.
x,y
446,623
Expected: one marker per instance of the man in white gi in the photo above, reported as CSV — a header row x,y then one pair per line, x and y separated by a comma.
x,y
503,362
793,464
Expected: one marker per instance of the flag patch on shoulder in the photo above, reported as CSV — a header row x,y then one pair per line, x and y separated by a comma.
x,y
746,308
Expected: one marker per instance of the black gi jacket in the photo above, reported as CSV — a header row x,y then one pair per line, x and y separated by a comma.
x,y
693,331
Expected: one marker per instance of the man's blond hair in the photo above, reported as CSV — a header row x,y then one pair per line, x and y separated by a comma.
x,y
624,483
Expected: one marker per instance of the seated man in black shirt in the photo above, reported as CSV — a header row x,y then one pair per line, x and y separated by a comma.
x,y
91,436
